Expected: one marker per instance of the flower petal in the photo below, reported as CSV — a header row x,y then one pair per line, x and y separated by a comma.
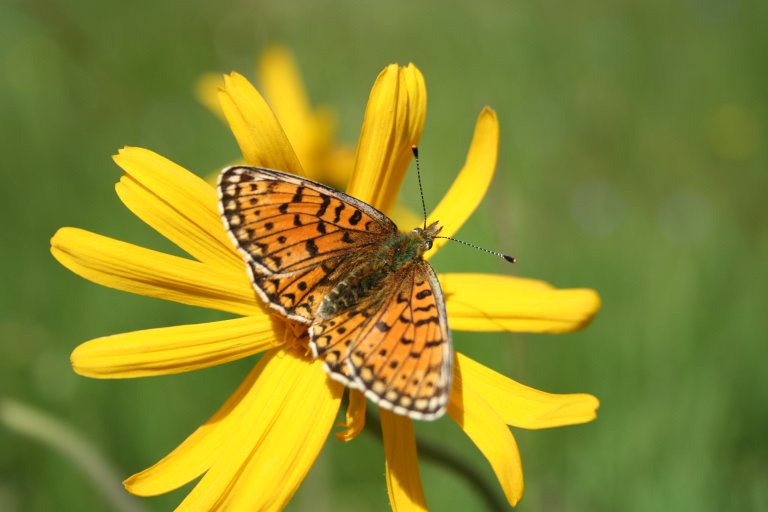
x,y
489,433
284,90
257,130
490,302
196,454
394,120
178,204
355,417
472,183
134,269
405,218
402,465
176,349
521,406
207,92
288,415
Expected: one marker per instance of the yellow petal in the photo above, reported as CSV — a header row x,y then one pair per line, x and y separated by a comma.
x,y
196,454
402,465
134,269
521,406
207,92
178,204
336,166
259,134
471,184
355,417
288,415
284,90
176,349
489,302
394,120
491,436
405,218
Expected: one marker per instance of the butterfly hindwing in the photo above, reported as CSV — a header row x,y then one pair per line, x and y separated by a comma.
x,y
297,295
395,346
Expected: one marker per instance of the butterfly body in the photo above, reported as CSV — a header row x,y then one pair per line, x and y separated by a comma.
x,y
370,275
373,305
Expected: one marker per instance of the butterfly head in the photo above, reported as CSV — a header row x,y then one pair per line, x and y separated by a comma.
x,y
427,235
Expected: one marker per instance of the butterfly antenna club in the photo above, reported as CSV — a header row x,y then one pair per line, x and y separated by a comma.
x,y
503,256
415,150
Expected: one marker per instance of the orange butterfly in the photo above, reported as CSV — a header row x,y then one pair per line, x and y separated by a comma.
x,y
374,307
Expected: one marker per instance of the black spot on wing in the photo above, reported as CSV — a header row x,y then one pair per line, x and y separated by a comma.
x,y
338,211
324,205
312,248
430,320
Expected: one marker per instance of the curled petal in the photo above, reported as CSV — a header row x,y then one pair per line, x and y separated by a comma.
x,y
257,130
134,269
179,205
491,436
196,454
472,183
489,302
521,406
355,417
289,412
176,349
402,465
394,120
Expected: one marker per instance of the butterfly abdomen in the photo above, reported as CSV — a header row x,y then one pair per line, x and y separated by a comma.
x,y
354,288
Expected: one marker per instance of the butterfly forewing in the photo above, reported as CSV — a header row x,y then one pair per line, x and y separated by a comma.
x,y
294,233
395,346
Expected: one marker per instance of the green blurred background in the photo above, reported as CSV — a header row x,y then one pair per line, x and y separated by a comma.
x,y
632,160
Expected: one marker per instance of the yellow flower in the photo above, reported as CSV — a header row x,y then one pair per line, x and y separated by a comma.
x,y
255,451
310,130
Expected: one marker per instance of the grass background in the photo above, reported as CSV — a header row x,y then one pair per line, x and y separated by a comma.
x,y
633,160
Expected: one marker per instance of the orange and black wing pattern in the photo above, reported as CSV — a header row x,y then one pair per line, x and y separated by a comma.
x,y
295,234
396,346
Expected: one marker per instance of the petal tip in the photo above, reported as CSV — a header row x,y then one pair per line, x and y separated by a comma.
x,y
488,111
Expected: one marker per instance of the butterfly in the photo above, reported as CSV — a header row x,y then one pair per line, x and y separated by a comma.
x,y
374,307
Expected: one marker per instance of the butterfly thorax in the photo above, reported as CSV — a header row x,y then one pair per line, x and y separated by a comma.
x,y
371,270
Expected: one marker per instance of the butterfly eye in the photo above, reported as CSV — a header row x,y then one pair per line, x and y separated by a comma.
x,y
428,243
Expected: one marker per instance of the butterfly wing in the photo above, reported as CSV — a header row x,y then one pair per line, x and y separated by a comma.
x,y
395,346
296,235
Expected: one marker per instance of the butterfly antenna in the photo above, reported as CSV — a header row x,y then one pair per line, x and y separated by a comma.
x,y
421,190
495,253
